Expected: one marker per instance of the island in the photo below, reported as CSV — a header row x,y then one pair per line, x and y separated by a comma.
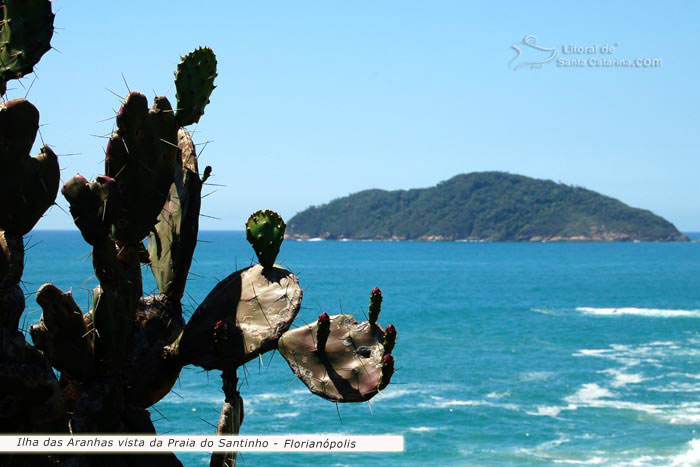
x,y
483,207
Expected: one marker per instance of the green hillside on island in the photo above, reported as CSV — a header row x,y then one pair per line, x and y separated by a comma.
x,y
483,206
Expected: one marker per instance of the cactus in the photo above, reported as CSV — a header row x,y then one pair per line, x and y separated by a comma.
x,y
265,232
28,186
25,35
242,317
126,352
31,399
171,244
337,358
194,81
142,156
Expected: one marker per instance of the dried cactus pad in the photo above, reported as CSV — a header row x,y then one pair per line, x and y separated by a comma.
x,y
25,35
194,81
350,368
241,318
265,232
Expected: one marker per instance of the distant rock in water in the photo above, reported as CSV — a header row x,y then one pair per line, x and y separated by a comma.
x,y
483,206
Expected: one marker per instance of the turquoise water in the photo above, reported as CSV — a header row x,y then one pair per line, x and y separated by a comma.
x,y
507,354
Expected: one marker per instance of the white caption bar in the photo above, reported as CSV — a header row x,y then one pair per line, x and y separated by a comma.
x,y
166,443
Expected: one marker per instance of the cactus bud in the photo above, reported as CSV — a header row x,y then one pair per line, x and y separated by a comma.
x,y
389,339
324,329
375,304
265,232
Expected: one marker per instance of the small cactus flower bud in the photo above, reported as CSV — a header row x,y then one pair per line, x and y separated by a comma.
x,y
389,339
375,305
324,329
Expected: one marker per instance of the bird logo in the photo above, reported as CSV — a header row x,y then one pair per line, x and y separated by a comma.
x,y
529,54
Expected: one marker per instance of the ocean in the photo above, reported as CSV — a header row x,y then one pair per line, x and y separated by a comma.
x,y
507,353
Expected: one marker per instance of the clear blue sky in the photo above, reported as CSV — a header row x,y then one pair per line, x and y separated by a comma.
x,y
316,100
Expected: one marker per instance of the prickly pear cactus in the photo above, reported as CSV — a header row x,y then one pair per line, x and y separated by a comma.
x,y
194,81
28,185
142,156
242,317
171,245
339,359
265,232
25,35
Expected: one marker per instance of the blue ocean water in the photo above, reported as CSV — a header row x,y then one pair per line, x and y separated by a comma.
x,y
507,353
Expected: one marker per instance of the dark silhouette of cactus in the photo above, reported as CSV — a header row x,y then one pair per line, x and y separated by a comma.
x,y
31,400
125,353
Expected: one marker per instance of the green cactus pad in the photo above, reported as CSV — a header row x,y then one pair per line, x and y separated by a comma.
x,y
172,244
143,157
242,317
28,186
265,232
349,368
62,334
194,81
25,36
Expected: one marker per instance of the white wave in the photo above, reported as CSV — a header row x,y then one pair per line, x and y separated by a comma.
x,y
286,414
676,387
551,410
691,456
593,396
588,393
623,379
545,311
562,439
652,353
442,403
498,395
648,312
536,376
421,429
596,460
392,393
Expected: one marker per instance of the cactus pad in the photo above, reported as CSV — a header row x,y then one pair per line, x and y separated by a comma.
x,y
350,367
142,156
242,317
194,81
150,376
172,244
94,206
265,232
25,35
28,186
62,334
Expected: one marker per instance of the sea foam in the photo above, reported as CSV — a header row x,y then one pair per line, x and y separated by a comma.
x,y
647,312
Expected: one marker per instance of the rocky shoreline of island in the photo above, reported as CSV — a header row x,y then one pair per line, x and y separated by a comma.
x,y
604,237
